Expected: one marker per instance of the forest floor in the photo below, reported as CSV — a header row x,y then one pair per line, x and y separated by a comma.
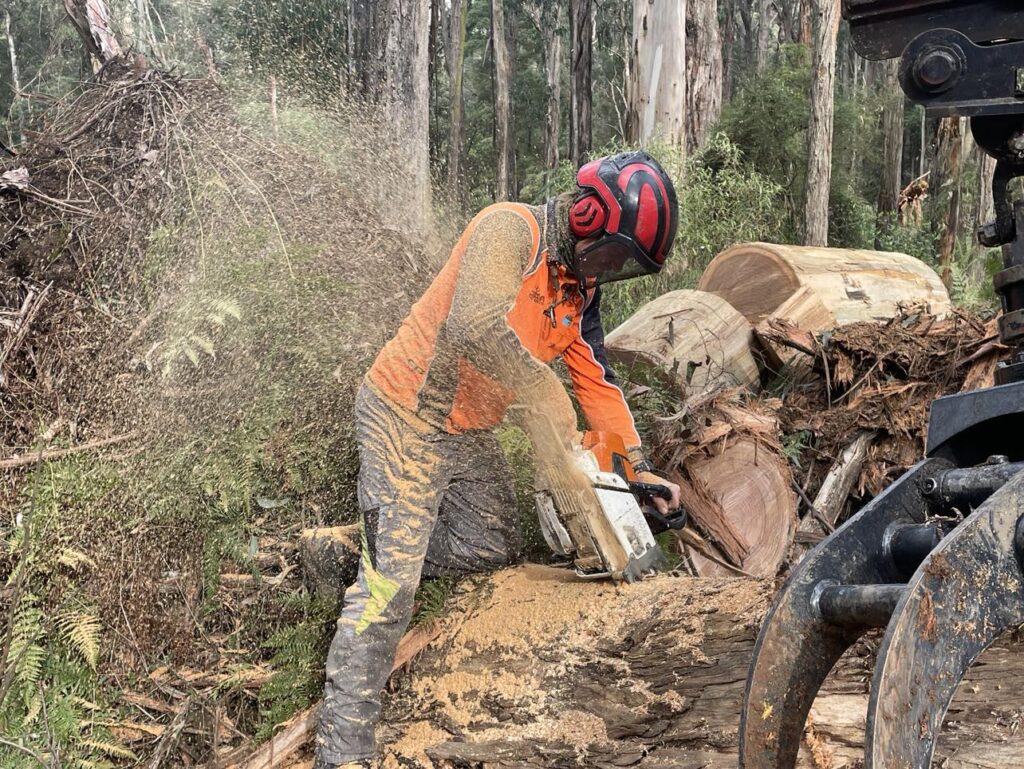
x,y
186,307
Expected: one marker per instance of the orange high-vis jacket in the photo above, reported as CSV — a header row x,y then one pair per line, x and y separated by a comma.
x,y
499,296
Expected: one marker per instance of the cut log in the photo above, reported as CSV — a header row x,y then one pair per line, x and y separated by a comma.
x,y
747,489
539,669
693,339
821,288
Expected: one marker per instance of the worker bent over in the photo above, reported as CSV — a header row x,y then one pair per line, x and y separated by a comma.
x,y
521,288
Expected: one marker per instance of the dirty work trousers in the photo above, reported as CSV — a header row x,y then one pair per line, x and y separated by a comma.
x,y
432,504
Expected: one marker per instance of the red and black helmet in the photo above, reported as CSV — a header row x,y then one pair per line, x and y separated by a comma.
x,y
627,208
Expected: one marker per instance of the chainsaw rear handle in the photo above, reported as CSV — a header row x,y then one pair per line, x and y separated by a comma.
x,y
673,520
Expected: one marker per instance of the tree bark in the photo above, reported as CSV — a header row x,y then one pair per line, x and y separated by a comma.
x,y
581,31
91,18
658,104
403,93
502,100
985,210
456,58
359,42
729,32
819,132
704,68
892,140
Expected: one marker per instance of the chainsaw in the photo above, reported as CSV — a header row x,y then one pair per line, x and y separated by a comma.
x,y
937,560
618,542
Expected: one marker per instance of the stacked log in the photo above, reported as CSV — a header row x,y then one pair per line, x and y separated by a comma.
x,y
694,339
822,288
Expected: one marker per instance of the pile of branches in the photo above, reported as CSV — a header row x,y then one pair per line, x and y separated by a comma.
x,y
878,380
77,205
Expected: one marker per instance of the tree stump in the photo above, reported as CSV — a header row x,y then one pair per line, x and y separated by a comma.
x,y
821,288
692,339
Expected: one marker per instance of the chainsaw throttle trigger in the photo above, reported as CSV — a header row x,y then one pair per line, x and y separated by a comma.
x,y
650,490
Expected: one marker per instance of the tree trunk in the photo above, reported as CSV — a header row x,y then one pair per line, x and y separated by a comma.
x,y
542,670
360,36
764,29
403,92
547,17
502,100
892,141
658,91
12,52
985,210
694,341
581,31
807,22
704,68
456,58
819,132
92,20
728,50
945,185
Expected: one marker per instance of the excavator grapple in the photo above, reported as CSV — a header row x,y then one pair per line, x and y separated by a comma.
x,y
937,560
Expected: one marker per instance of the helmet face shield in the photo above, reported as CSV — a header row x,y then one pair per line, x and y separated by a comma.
x,y
609,259
624,217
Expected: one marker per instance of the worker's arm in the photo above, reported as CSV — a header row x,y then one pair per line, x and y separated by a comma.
x,y
596,387
490,275
602,399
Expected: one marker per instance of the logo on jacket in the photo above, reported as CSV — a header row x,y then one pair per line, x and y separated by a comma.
x,y
537,296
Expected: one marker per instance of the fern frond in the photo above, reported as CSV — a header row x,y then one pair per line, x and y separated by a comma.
x,y
75,559
110,749
81,631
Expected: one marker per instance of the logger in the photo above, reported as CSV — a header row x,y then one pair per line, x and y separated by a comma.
x,y
937,560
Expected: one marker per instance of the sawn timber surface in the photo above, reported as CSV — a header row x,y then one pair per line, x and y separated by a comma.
x,y
537,669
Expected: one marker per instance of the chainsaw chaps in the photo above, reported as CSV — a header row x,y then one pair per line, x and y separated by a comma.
x,y
944,589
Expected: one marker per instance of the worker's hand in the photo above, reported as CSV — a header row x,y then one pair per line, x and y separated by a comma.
x,y
661,505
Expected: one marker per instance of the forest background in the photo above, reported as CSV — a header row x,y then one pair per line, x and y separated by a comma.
x,y
210,339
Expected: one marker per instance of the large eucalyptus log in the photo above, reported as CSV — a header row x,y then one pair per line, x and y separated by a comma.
x,y
692,338
821,288
539,669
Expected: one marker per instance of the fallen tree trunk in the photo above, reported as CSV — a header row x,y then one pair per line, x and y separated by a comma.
x,y
821,288
693,339
543,670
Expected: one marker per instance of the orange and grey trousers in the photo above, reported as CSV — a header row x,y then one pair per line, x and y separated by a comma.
x,y
432,504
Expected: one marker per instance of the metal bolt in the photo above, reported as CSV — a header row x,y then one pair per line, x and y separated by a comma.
x,y
937,69
929,486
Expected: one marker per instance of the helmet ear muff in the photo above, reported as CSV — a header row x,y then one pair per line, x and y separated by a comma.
x,y
587,217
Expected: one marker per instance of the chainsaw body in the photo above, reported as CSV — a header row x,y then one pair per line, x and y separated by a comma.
x,y
937,560
625,504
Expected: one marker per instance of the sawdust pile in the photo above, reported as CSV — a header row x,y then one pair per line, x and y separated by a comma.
x,y
516,660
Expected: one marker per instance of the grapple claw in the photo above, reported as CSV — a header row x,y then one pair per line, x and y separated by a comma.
x,y
964,596
798,646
